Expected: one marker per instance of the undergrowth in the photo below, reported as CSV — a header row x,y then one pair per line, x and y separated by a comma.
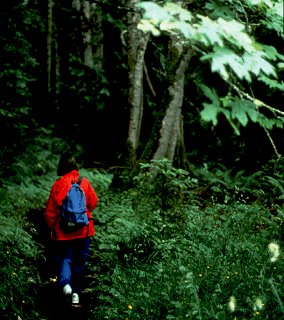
x,y
186,257
205,244
23,236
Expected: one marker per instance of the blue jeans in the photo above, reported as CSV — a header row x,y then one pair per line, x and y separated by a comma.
x,y
72,257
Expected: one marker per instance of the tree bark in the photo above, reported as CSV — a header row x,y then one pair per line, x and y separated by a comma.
x,y
49,43
91,32
170,139
137,42
88,52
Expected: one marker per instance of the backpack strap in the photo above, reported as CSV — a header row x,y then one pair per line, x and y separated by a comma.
x,y
79,180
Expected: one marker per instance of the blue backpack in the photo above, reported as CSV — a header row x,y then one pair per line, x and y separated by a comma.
x,y
73,211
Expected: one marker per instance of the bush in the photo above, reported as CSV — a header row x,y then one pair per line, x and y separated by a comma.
x,y
188,261
161,250
18,274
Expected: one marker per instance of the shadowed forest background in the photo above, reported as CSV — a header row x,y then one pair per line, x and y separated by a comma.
x,y
174,110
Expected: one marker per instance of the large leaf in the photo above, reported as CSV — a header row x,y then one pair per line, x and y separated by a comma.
x,y
154,12
178,27
219,10
222,58
176,10
224,42
234,32
231,47
146,26
209,32
255,63
243,110
273,84
210,111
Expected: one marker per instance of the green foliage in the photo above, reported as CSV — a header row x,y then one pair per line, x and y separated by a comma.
x,y
20,25
237,111
222,39
189,260
204,244
99,180
172,184
232,47
272,14
25,189
93,90
18,274
23,197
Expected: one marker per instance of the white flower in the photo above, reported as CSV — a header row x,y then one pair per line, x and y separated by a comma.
x,y
232,303
274,250
258,304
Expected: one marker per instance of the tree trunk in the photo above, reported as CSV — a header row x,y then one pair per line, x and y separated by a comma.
x,y
91,33
49,44
137,42
170,136
88,53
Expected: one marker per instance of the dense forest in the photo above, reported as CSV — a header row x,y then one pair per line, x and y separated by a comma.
x,y
174,111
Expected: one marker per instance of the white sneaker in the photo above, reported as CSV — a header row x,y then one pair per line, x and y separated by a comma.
x,y
75,298
67,289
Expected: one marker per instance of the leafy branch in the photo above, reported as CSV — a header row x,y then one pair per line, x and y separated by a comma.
x,y
230,51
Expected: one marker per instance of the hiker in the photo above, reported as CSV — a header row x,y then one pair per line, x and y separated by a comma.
x,y
72,247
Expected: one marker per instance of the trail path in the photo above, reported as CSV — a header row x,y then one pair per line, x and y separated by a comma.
x,y
59,307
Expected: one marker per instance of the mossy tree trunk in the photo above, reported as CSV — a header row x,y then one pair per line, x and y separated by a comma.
x,y
137,44
49,43
171,127
167,140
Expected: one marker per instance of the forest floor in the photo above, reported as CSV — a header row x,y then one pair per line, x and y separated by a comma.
x,y
57,306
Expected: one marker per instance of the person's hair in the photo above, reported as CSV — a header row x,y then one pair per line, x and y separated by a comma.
x,y
67,163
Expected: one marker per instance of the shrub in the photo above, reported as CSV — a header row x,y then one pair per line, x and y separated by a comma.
x,y
18,274
186,261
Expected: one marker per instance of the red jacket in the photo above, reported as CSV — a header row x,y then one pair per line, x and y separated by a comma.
x,y
58,192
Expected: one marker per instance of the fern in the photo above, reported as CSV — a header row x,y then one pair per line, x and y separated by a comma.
x,y
19,275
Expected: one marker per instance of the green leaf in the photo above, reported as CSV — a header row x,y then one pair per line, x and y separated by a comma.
x,y
209,32
219,10
7,114
243,110
178,26
267,123
146,26
234,32
240,114
257,64
154,12
176,10
270,52
224,56
273,84
211,94
210,111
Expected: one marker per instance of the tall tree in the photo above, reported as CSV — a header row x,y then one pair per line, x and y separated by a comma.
x,y
49,42
137,44
239,60
172,125
21,33
91,30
